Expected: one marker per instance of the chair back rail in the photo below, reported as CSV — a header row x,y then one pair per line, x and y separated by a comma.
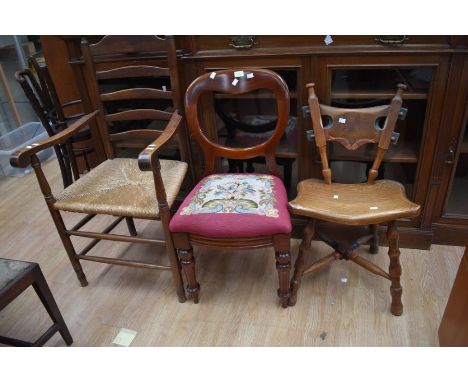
x,y
132,71
353,128
136,93
136,114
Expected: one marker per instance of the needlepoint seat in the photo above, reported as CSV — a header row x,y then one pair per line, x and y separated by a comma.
x,y
234,205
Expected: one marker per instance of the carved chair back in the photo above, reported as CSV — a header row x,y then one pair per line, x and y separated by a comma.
x,y
40,91
118,51
225,82
353,128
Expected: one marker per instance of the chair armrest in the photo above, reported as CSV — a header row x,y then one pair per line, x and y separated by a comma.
x,y
150,154
22,158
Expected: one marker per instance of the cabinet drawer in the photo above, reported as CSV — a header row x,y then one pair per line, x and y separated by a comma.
x,y
204,43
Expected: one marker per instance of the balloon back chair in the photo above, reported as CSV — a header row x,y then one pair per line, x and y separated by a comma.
x,y
235,211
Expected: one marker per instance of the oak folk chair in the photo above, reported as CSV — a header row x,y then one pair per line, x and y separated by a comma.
x,y
127,188
235,211
371,203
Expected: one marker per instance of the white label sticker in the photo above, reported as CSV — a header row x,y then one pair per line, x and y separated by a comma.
x,y
335,196
373,208
125,337
164,88
239,73
250,75
213,75
235,81
328,40
342,120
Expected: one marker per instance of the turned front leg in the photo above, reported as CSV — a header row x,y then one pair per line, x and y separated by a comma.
x,y
58,221
309,232
283,266
282,247
394,269
187,260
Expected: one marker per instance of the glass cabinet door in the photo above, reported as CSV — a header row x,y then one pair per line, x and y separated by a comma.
x,y
456,205
372,87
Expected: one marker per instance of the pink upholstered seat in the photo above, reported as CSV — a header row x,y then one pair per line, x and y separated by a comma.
x,y
234,205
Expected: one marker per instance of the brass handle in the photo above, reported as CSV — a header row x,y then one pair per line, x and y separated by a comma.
x,y
242,42
450,159
450,156
392,40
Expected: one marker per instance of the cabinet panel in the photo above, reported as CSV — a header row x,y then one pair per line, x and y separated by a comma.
x,y
205,43
456,204
449,202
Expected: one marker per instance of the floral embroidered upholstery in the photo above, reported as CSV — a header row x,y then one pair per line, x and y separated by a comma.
x,y
245,194
234,205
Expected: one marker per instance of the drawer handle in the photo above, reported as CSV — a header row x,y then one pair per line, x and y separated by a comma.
x,y
242,42
392,40
452,151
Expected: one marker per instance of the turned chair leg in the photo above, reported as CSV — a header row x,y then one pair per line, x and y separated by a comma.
x,y
58,222
283,266
188,265
299,264
66,241
374,243
394,269
173,258
187,260
131,226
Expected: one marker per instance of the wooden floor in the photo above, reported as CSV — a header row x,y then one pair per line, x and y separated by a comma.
x,y
238,306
